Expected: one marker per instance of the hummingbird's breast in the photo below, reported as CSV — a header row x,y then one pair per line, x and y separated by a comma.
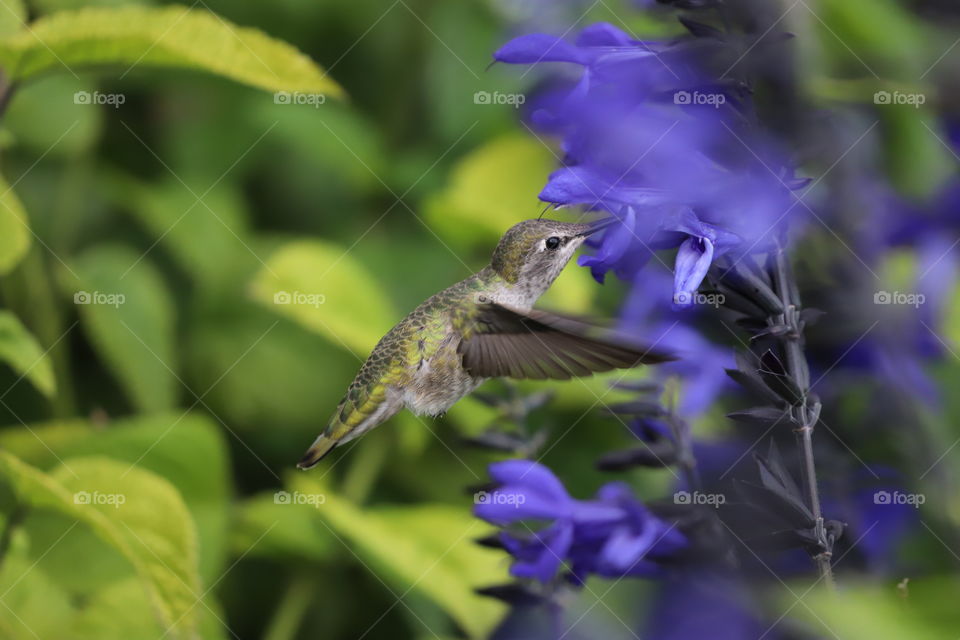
x,y
418,362
435,378
439,381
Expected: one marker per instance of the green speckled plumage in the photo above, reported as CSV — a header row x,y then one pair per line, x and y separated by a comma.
x,y
481,327
416,338
508,257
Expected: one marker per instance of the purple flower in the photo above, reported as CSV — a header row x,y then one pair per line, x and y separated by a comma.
x,y
653,138
700,605
613,535
700,363
880,514
900,323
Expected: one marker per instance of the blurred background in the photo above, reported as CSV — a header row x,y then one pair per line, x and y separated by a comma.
x,y
210,263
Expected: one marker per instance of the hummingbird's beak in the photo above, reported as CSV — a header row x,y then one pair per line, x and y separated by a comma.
x,y
600,225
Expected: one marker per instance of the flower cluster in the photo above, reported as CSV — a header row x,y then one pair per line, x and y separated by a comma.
x,y
700,363
669,138
910,311
666,142
612,535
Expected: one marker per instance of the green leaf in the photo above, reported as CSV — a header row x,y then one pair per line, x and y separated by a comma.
x,y
268,528
188,450
321,145
491,189
14,228
881,41
13,15
37,607
136,512
45,119
128,315
34,606
20,350
319,285
118,613
169,36
115,613
49,6
275,382
873,36
917,157
879,611
429,548
209,239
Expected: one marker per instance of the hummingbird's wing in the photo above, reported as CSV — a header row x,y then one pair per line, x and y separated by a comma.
x,y
504,341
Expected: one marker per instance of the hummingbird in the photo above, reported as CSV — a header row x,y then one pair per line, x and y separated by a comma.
x,y
482,327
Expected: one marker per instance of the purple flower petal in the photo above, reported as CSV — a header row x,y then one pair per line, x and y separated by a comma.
x,y
626,547
506,506
539,47
541,556
603,34
527,491
580,185
693,261
579,531
525,473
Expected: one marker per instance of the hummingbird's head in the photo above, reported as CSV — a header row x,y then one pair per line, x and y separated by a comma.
x,y
533,252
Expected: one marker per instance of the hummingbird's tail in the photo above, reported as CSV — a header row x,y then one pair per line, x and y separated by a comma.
x,y
320,447
352,419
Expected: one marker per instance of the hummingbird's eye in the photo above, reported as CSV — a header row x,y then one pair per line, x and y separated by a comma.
x,y
553,242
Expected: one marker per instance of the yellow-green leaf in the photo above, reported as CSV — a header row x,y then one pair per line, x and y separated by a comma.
x,y
33,605
491,189
429,548
128,315
49,6
14,229
925,610
13,14
174,36
118,612
136,512
319,285
189,450
20,350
